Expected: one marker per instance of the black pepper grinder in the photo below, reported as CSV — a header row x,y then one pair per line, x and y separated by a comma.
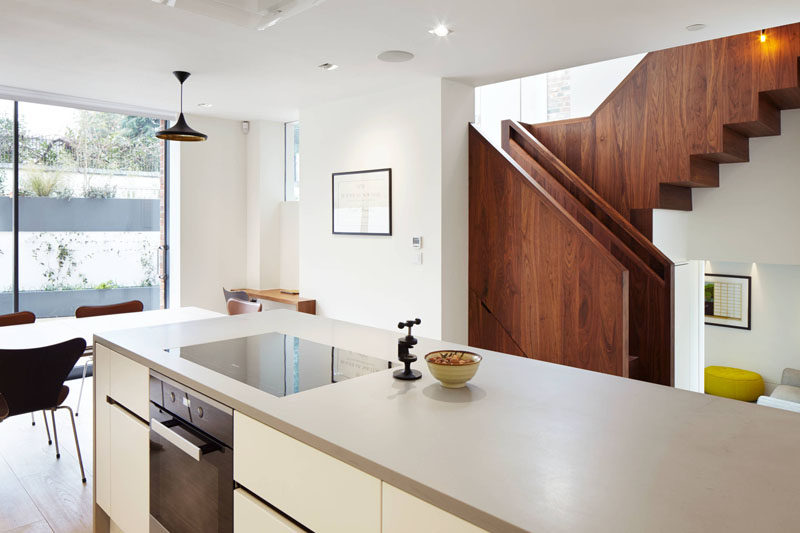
x,y
404,344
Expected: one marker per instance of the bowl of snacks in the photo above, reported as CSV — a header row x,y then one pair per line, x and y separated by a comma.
x,y
453,368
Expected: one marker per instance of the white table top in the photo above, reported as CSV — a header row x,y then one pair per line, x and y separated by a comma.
x,y
46,332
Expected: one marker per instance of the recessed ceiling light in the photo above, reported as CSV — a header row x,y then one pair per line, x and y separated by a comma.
x,y
328,66
695,27
441,30
205,104
395,56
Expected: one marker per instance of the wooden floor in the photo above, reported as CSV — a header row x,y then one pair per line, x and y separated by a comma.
x,y
39,493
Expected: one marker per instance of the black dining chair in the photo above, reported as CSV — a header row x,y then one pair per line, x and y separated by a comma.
x,y
32,379
17,319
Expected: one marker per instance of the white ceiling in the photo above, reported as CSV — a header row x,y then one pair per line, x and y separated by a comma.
x,y
124,50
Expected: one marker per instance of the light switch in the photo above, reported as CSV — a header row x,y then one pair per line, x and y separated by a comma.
x,y
416,258
416,242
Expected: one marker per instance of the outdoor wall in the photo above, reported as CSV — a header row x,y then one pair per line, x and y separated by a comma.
x,y
212,214
370,279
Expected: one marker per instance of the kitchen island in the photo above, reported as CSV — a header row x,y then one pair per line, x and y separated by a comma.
x,y
527,446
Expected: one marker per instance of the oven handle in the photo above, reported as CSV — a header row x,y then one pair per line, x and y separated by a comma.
x,y
195,452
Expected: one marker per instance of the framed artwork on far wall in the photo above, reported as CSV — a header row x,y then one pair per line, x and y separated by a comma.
x,y
727,301
362,202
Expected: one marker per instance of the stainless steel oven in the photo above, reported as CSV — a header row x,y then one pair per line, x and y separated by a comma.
x,y
191,460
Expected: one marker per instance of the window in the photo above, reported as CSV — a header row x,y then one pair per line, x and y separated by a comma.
x,y
92,213
292,163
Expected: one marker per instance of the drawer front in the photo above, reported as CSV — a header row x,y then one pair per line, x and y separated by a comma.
x,y
129,471
102,434
252,516
403,512
322,493
129,383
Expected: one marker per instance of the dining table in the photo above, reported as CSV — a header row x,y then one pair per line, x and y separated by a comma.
x,y
45,332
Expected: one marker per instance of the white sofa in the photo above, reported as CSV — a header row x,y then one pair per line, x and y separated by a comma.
x,y
787,394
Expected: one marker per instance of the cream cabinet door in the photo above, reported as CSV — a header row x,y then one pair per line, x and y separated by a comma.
x,y
403,512
324,494
129,469
102,444
252,516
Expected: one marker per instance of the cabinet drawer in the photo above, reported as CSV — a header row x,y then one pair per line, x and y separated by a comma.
x,y
129,471
403,512
252,516
320,492
102,436
128,383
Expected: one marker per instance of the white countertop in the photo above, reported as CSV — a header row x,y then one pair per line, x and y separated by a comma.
x,y
528,445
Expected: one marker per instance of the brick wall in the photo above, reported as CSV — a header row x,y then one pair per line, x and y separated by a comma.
x,y
558,95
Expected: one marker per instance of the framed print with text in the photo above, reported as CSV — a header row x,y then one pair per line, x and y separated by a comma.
x,y
362,202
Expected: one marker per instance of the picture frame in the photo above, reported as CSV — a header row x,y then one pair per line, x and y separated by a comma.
x,y
727,301
361,202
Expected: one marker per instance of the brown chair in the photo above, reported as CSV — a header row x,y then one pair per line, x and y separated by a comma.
x,y
238,307
15,319
134,306
86,311
32,379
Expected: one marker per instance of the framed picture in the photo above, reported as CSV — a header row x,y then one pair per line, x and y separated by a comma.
x,y
362,202
727,301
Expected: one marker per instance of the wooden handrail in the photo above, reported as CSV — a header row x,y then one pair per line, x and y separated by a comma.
x,y
602,210
556,205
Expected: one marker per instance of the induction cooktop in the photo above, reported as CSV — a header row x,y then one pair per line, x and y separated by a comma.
x,y
280,364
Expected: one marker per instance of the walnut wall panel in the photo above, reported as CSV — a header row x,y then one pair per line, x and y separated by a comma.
x,y
551,286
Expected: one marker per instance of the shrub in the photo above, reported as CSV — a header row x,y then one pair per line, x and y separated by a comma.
x,y
107,285
99,191
44,184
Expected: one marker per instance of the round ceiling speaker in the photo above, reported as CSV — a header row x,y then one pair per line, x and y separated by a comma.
x,y
395,56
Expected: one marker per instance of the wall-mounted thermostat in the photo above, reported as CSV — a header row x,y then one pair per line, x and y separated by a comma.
x,y
416,242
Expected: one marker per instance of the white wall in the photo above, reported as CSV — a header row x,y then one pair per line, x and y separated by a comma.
x,y
212,214
265,154
689,348
525,99
369,279
773,343
750,223
753,215
289,245
457,112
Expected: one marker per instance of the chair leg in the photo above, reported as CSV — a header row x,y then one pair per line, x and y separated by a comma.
x,y
44,415
33,420
80,393
75,434
55,432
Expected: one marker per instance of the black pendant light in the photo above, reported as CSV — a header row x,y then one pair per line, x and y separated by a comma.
x,y
181,130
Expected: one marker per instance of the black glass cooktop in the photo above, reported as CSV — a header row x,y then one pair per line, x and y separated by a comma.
x,y
280,364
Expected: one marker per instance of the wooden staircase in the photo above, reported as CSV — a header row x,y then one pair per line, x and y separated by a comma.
x,y
662,132
676,117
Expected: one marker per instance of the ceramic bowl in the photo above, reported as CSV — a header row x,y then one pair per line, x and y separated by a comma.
x,y
450,375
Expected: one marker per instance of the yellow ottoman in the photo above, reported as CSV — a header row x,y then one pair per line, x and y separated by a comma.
x,y
734,383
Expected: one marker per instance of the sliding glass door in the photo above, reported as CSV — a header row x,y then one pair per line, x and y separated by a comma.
x,y
92,210
6,200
